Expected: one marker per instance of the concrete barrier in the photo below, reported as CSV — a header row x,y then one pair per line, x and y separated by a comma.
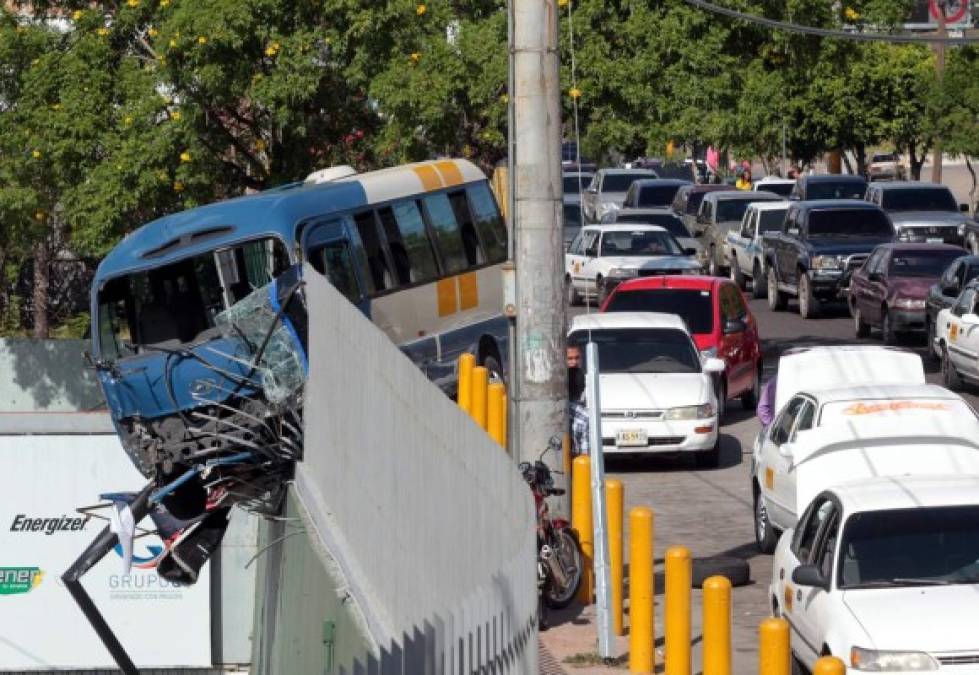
x,y
427,528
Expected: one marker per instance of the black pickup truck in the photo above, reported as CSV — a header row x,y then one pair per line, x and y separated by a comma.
x,y
820,245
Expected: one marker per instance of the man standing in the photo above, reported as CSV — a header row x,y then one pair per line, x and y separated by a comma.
x,y
577,412
766,402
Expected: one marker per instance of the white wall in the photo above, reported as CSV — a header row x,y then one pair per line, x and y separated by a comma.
x,y
428,519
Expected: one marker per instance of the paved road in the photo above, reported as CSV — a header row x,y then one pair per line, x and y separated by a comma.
x,y
709,511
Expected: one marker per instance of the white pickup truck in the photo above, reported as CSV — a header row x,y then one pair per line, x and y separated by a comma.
x,y
744,246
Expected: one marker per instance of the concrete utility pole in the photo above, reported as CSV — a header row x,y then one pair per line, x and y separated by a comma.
x,y
941,33
538,370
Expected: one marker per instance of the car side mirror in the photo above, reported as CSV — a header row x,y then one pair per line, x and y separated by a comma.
x,y
735,326
714,366
592,190
810,575
592,252
689,251
964,208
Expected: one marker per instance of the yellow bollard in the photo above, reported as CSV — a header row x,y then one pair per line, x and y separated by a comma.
x,y
494,412
566,454
773,647
480,384
581,522
614,501
464,394
717,626
677,611
504,405
829,665
642,636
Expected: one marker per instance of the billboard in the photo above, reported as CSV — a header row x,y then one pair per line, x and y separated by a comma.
x,y
925,14
45,478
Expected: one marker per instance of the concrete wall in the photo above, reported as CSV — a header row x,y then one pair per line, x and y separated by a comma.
x,y
426,521
47,376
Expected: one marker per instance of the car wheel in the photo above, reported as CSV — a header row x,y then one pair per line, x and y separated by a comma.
x,y
860,327
758,282
709,459
776,298
721,397
749,399
930,352
736,276
713,268
765,535
950,376
808,304
574,297
887,334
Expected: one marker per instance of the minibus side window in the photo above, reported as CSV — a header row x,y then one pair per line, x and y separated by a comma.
x,y
408,242
448,238
376,264
492,229
470,241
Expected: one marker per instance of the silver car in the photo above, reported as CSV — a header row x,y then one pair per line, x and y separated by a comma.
x,y
607,191
924,212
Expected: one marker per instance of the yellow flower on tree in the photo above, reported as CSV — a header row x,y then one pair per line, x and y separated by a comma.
x,y
152,32
175,115
36,154
574,92
103,31
851,14
202,40
127,120
420,10
76,15
415,57
164,3
173,43
132,3
178,186
260,145
562,3
40,215
185,157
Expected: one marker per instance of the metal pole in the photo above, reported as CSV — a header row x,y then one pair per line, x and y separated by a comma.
x,y
936,151
785,166
603,582
540,373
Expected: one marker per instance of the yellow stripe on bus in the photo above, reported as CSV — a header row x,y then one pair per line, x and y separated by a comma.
x,y
468,290
447,296
429,177
450,172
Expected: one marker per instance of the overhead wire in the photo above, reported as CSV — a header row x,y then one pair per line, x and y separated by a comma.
x,y
902,38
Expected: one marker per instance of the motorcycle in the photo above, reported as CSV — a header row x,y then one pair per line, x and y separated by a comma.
x,y
559,558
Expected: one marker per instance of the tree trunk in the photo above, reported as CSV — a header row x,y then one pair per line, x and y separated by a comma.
x,y
42,273
972,191
860,151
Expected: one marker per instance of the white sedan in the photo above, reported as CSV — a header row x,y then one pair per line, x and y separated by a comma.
x,y
656,392
957,338
884,574
603,256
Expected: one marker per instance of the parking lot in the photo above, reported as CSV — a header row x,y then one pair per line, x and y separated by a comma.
x,y
710,511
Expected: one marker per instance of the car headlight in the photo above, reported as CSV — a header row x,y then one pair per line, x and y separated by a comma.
x,y
690,412
623,272
904,234
827,262
874,660
909,303
709,353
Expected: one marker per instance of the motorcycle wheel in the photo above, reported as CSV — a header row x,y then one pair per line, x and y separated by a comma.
x,y
567,554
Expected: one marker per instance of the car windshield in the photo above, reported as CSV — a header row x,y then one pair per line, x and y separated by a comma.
x,y
844,189
620,182
177,303
919,199
835,412
639,243
909,547
692,305
573,185
667,221
572,215
657,195
884,158
641,350
771,221
781,189
849,223
921,263
731,209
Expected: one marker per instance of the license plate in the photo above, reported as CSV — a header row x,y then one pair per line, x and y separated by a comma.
x,y
934,240
631,437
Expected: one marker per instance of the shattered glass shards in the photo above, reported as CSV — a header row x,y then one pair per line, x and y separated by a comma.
x,y
281,368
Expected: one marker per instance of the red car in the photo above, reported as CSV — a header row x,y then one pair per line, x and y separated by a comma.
x,y
718,318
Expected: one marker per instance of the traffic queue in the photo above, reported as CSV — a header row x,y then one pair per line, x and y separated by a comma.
x,y
865,481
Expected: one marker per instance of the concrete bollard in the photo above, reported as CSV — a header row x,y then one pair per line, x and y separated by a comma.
x,y
773,647
464,393
717,626
677,610
642,634
495,407
581,522
829,665
480,384
615,502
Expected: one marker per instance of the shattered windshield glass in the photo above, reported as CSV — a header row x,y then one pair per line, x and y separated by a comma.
x,y
178,303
